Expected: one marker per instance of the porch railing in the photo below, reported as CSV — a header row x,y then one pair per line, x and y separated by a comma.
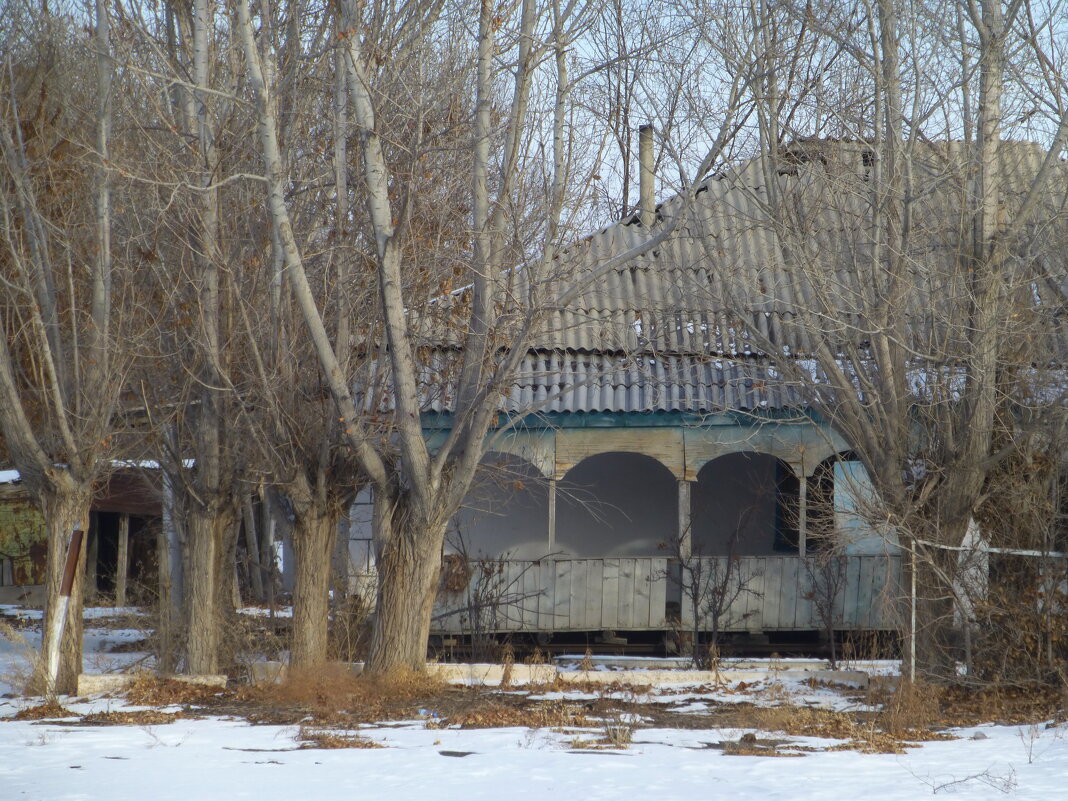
x,y
777,593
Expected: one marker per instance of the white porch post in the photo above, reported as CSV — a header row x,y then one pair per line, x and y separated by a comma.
x,y
685,540
552,515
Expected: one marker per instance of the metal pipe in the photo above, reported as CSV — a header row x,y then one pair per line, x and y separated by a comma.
x,y
646,192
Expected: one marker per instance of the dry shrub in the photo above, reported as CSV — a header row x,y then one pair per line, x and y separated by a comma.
x,y
45,711
139,717
803,721
586,665
333,688
508,660
968,706
911,711
350,629
455,573
149,690
326,738
618,730
251,638
21,679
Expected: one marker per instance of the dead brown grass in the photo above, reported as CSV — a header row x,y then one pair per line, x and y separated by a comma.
x,y
803,721
326,738
334,688
45,711
148,689
488,714
911,710
140,717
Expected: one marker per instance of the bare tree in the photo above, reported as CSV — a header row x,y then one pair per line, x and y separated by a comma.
x,y
60,374
905,278
418,488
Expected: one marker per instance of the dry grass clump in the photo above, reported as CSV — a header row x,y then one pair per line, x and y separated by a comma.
x,y
804,721
140,717
327,738
334,688
868,737
751,745
911,711
148,689
45,711
493,714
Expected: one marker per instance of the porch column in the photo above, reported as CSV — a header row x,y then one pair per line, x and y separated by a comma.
x,y
802,515
552,515
122,563
684,539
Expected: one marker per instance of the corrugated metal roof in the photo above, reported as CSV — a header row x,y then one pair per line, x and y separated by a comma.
x,y
654,334
574,382
726,253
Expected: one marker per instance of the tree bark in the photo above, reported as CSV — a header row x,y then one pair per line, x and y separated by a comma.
x,y
63,509
208,530
936,648
409,564
313,547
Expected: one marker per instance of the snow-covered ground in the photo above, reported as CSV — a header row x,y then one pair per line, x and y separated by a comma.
x,y
221,758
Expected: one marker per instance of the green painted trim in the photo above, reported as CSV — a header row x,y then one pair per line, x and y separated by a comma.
x,y
434,422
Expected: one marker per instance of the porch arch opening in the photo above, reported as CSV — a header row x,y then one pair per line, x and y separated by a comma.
x,y
744,504
505,513
617,503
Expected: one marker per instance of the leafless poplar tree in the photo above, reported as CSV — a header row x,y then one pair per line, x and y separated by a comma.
x,y
912,266
60,374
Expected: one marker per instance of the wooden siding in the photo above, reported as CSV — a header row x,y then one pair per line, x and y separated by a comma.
x,y
558,595
777,594
631,595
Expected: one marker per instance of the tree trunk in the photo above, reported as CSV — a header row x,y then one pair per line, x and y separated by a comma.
x,y
409,564
936,648
313,546
209,586
252,551
63,510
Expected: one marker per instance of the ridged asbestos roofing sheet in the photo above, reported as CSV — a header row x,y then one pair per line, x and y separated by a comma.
x,y
734,278
760,259
567,382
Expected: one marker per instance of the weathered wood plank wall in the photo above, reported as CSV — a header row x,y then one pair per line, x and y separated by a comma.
x,y
631,595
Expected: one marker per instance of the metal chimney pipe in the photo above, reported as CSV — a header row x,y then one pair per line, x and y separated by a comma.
x,y
646,194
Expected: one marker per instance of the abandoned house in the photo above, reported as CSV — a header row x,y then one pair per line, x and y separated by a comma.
x,y
667,471
121,560
662,446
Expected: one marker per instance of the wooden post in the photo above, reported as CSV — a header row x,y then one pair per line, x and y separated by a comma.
x,y
685,540
122,564
802,515
92,546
